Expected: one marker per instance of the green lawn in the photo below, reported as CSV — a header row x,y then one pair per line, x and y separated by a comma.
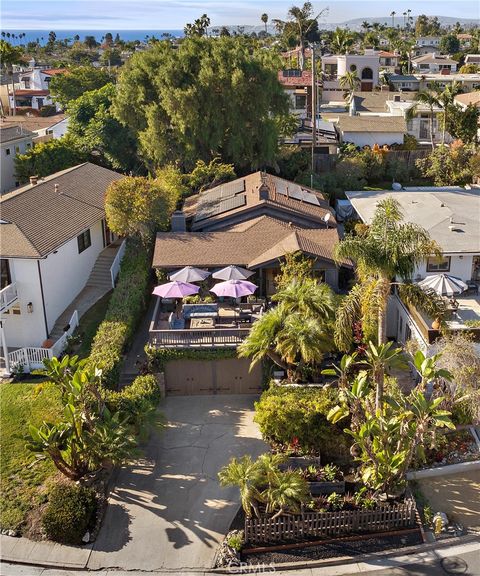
x,y
89,324
21,484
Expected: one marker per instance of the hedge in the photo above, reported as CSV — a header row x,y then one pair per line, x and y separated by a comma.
x,y
138,400
123,314
70,512
158,357
290,416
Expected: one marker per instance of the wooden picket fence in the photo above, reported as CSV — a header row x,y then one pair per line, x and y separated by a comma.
x,y
318,524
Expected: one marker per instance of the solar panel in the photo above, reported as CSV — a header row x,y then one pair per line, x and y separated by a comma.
x,y
296,192
207,210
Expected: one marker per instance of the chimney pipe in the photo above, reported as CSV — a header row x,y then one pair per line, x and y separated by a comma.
x,y
56,188
33,180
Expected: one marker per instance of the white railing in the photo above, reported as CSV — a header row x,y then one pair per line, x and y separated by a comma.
x,y
8,296
31,358
115,267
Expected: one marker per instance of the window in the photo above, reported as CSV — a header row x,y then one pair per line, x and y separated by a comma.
x,y
367,74
7,151
300,101
353,67
84,241
6,278
441,264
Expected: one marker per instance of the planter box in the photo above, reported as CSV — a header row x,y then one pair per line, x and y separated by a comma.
x,y
301,462
317,488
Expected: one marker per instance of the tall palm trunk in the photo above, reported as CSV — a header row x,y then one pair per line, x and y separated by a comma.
x,y
431,128
14,107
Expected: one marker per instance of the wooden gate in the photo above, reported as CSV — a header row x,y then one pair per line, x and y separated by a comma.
x,y
223,376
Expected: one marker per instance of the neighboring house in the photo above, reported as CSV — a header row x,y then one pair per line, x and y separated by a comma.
x,y
389,62
404,82
472,59
44,127
368,131
366,66
465,40
14,139
297,84
426,45
451,216
434,63
419,125
34,91
53,230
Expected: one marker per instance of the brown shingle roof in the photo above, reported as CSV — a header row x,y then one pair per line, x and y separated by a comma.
x,y
372,124
264,240
434,58
377,101
278,196
38,219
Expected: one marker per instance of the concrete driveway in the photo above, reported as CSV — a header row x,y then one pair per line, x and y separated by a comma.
x,y
168,510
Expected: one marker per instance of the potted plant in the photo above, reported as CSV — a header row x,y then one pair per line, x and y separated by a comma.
x,y
325,480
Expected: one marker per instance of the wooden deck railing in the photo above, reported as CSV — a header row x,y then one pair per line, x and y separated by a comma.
x,y
213,338
318,524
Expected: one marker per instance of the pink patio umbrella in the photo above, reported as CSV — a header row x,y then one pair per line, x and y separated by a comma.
x,y
175,289
234,288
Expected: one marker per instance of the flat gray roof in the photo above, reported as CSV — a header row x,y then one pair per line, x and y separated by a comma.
x,y
450,214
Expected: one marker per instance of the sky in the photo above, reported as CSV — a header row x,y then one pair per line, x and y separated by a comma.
x,y
173,14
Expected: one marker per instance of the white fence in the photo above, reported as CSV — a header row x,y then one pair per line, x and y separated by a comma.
x,y
115,267
7,296
32,358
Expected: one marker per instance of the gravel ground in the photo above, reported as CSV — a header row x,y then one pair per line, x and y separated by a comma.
x,y
350,548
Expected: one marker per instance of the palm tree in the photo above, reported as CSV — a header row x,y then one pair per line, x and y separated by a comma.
x,y
9,57
446,99
392,14
429,99
286,491
249,477
366,25
386,255
264,19
296,332
341,41
349,82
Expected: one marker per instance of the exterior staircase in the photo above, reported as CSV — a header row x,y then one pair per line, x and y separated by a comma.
x,y
98,284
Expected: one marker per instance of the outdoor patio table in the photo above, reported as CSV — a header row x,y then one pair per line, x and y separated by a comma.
x,y
202,323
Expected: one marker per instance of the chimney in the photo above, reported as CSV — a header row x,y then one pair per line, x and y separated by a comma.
x,y
288,193
178,223
33,180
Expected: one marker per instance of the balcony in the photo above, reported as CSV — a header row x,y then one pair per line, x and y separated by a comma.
x,y
8,296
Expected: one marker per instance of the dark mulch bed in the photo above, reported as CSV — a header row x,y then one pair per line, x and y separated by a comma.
x,y
376,543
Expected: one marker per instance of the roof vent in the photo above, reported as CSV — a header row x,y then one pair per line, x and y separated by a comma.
x,y
33,180
56,189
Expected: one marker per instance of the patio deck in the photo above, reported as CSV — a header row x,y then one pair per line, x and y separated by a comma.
x,y
229,327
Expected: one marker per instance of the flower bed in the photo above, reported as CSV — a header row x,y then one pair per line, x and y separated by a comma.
x,y
326,479
451,448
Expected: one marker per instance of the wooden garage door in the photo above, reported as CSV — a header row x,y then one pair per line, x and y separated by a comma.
x,y
198,377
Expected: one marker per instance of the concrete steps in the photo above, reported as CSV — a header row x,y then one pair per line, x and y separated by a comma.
x,y
98,284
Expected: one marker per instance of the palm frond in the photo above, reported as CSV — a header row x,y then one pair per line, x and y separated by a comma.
x,y
427,301
349,312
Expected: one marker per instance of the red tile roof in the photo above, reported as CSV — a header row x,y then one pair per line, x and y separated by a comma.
x,y
31,93
386,54
304,80
54,71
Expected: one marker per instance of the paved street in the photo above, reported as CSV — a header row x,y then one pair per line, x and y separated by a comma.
x,y
167,510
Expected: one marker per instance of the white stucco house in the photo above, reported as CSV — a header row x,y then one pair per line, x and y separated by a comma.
x,y
53,233
366,66
434,63
34,90
14,139
368,131
451,215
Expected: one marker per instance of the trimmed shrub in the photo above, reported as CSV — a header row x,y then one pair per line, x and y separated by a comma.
x,y
158,357
70,512
297,417
137,401
123,314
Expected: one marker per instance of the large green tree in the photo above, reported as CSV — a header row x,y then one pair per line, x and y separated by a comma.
x,y
75,82
10,56
47,158
209,97
98,133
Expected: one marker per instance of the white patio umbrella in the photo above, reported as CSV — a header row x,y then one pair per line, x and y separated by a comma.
x,y
232,273
190,274
444,284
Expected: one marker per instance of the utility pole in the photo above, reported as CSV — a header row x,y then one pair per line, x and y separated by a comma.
x,y
314,114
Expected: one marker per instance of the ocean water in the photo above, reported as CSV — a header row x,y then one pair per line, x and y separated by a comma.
x,y
127,35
